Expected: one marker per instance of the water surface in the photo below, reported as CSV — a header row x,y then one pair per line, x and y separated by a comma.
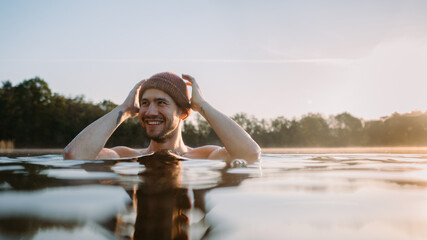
x,y
286,196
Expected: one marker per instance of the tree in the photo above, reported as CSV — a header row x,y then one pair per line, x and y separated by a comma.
x,y
32,116
280,132
348,130
314,130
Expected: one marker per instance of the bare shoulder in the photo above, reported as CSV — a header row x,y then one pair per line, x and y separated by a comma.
x,y
208,152
119,152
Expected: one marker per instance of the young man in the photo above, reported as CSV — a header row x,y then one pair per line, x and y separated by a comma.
x,y
162,103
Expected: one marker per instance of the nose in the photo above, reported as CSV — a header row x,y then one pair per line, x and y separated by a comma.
x,y
152,110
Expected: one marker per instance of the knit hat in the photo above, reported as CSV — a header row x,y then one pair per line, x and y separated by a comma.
x,y
171,84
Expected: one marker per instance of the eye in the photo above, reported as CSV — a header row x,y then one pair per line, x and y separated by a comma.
x,y
144,103
161,102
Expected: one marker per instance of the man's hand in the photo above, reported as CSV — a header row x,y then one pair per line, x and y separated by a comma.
x,y
89,143
131,104
237,143
196,94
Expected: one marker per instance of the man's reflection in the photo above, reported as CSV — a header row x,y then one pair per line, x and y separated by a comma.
x,y
160,200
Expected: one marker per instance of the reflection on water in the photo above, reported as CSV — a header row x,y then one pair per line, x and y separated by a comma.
x,y
294,196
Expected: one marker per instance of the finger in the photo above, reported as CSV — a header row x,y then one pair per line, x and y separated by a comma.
x,y
188,77
189,84
139,85
140,82
138,91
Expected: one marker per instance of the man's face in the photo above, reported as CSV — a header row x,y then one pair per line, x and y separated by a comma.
x,y
159,115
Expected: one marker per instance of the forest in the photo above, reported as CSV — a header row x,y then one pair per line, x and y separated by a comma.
x,y
32,116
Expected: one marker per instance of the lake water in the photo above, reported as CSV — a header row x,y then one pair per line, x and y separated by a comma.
x,y
286,196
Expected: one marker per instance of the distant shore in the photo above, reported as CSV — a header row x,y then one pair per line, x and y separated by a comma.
x,y
22,152
320,150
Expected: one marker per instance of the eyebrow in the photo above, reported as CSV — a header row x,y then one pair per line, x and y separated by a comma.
x,y
161,99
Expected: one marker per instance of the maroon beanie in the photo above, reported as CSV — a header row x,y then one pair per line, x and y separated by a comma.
x,y
171,84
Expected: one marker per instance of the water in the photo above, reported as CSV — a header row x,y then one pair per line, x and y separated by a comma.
x,y
292,196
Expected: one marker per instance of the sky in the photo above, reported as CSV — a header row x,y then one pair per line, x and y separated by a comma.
x,y
264,58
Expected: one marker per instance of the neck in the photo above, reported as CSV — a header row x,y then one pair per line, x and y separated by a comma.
x,y
174,143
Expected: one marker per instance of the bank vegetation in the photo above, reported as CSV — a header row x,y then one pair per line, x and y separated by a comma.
x,y
32,116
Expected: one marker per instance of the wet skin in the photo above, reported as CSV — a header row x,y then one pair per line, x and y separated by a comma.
x,y
161,118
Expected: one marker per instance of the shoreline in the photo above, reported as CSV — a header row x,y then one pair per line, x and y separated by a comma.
x,y
337,150
295,150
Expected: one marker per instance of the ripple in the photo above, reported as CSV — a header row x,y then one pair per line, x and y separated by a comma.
x,y
77,174
65,203
58,163
128,168
11,168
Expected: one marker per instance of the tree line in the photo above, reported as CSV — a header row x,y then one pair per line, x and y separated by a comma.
x,y
32,116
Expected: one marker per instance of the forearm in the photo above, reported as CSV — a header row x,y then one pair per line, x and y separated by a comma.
x,y
89,142
238,143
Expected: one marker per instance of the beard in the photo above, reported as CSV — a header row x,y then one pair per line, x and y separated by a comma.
x,y
166,133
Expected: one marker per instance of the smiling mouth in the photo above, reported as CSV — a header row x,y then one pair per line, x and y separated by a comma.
x,y
152,122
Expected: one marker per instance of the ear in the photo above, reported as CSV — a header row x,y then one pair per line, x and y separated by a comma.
x,y
184,115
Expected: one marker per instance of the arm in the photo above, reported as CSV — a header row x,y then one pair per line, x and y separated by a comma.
x,y
237,143
89,143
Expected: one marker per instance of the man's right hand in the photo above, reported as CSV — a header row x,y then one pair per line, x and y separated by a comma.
x,y
89,143
131,104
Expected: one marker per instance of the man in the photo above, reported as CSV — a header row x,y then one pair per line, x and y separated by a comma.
x,y
162,103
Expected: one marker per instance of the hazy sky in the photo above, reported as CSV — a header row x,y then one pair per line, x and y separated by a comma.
x,y
265,58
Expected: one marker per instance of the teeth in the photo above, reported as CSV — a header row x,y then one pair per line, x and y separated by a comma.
x,y
154,122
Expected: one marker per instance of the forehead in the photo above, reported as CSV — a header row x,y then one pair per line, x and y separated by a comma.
x,y
153,93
